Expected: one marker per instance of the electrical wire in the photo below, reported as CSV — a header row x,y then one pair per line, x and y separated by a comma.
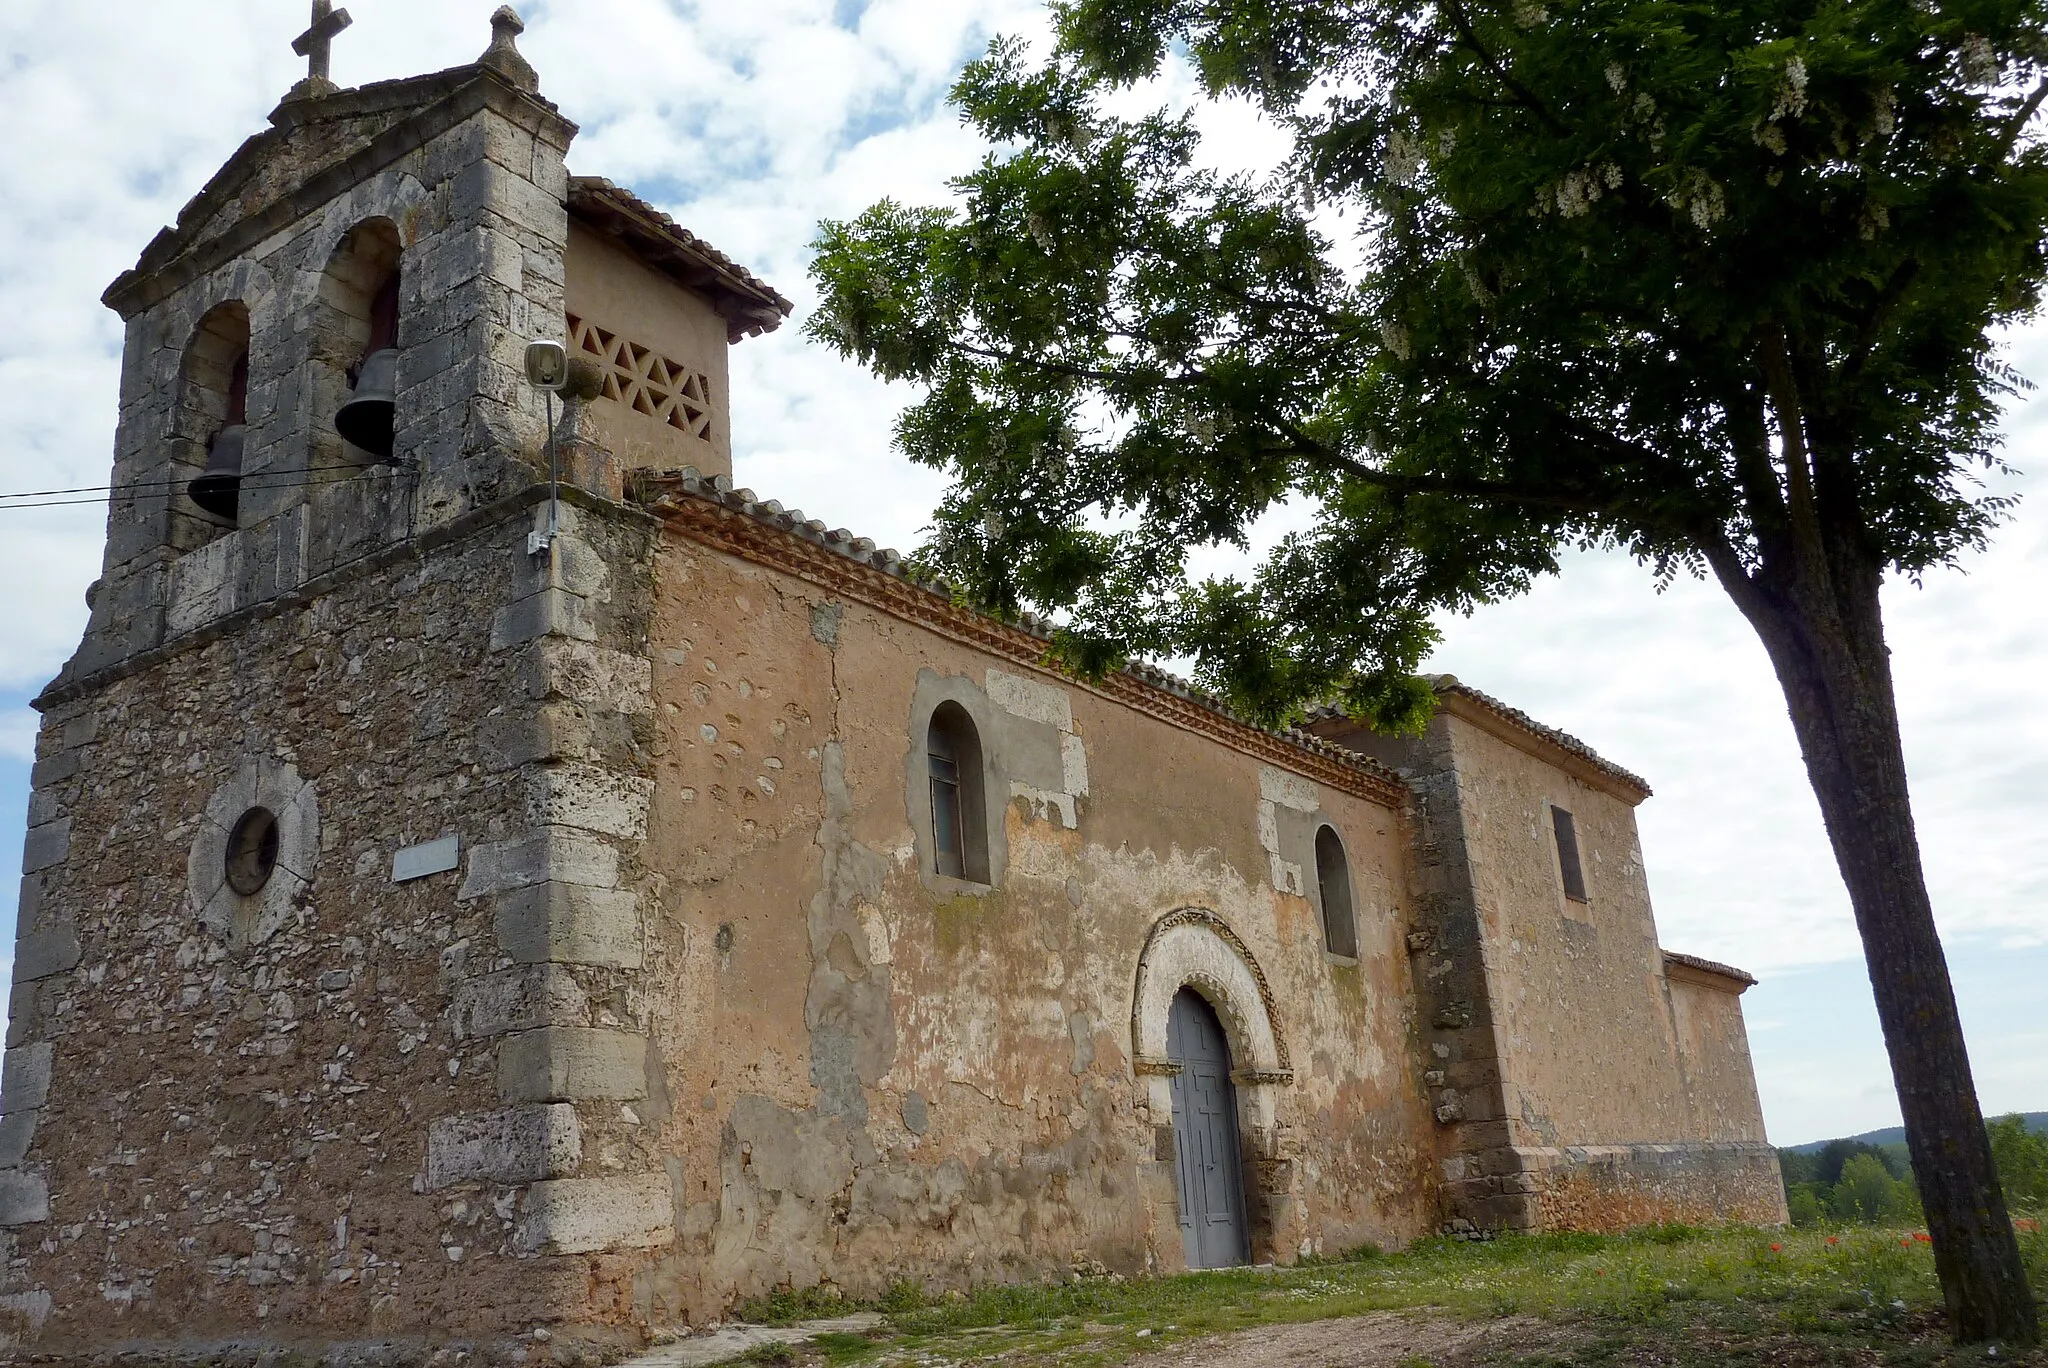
x,y
261,480
180,481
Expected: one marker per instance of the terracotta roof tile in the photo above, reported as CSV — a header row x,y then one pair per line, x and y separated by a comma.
x,y
749,304
1709,966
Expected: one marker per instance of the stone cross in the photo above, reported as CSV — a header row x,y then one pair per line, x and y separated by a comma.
x,y
316,44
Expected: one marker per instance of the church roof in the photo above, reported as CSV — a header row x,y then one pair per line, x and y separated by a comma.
x,y
685,493
748,304
1450,686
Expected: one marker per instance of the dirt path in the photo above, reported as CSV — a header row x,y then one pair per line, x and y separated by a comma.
x,y
1387,1339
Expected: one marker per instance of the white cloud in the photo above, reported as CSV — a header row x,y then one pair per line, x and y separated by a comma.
x,y
751,122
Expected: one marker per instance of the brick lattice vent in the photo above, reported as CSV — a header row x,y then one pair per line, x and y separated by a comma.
x,y
645,381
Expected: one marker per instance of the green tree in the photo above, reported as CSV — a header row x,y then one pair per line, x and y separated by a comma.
x,y
2022,1158
1714,283
1867,1192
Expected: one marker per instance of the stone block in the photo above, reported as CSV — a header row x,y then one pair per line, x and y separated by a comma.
x,y
554,732
512,1145
44,805
487,192
23,1313
522,999
588,1215
577,566
568,924
16,1130
24,1198
549,855
1283,789
55,768
202,584
28,911
48,844
590,675
25,1077
39,954
572,1064
1031,698
552,612
592,799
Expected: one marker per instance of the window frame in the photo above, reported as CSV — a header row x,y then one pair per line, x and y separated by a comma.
x,y
952,738
1571,863
1335,861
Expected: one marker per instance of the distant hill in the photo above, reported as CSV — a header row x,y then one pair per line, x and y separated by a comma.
x,y
1896,1135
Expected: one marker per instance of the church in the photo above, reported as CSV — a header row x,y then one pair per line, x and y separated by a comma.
x,y
461,907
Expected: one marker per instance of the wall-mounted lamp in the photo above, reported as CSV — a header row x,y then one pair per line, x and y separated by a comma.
x,y
547,370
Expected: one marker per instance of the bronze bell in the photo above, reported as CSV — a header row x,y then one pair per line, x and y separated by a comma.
x,y
365,420
218,488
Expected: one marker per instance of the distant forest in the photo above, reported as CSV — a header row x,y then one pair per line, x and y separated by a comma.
x,y
1868,1180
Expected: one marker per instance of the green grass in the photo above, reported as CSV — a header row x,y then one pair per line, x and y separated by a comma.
x,y
1702,1295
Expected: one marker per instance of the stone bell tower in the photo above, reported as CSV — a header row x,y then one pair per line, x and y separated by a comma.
x,y
329,1016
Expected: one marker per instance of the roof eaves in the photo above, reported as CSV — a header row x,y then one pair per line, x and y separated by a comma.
x,y
749,305
1451,686
650,487
1707,966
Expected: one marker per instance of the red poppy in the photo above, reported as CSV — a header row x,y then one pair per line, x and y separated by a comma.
x,y
1923,1237
1776,1247
1833,1240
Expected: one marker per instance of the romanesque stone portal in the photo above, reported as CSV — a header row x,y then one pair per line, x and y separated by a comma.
x,y
425,942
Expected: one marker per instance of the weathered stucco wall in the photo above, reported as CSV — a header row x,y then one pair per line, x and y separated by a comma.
x,y
654,327
1575,1086
875,1071
1713,1046
1585,1041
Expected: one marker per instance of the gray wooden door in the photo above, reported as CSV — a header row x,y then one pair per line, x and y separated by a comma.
x,y
1212,1224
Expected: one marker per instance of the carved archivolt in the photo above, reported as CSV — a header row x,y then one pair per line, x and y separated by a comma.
x,y
1193,947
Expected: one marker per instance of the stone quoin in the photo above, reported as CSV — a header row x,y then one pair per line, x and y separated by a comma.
x,y
426,945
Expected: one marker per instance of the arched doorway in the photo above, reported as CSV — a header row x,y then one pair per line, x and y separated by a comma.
x,y
1205,1139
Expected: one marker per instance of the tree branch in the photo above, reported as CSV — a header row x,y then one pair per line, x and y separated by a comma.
x,y
2017,124
1333,461
1751,441
1489,491
1500,73
1107,377
1802,517
1873,321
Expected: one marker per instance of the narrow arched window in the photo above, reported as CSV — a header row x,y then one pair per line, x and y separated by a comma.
x,y
1333,884
959,829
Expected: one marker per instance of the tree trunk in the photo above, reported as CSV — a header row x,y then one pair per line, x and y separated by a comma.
x,y
1825,637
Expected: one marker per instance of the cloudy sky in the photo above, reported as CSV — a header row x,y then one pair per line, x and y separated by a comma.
x,y
750,122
